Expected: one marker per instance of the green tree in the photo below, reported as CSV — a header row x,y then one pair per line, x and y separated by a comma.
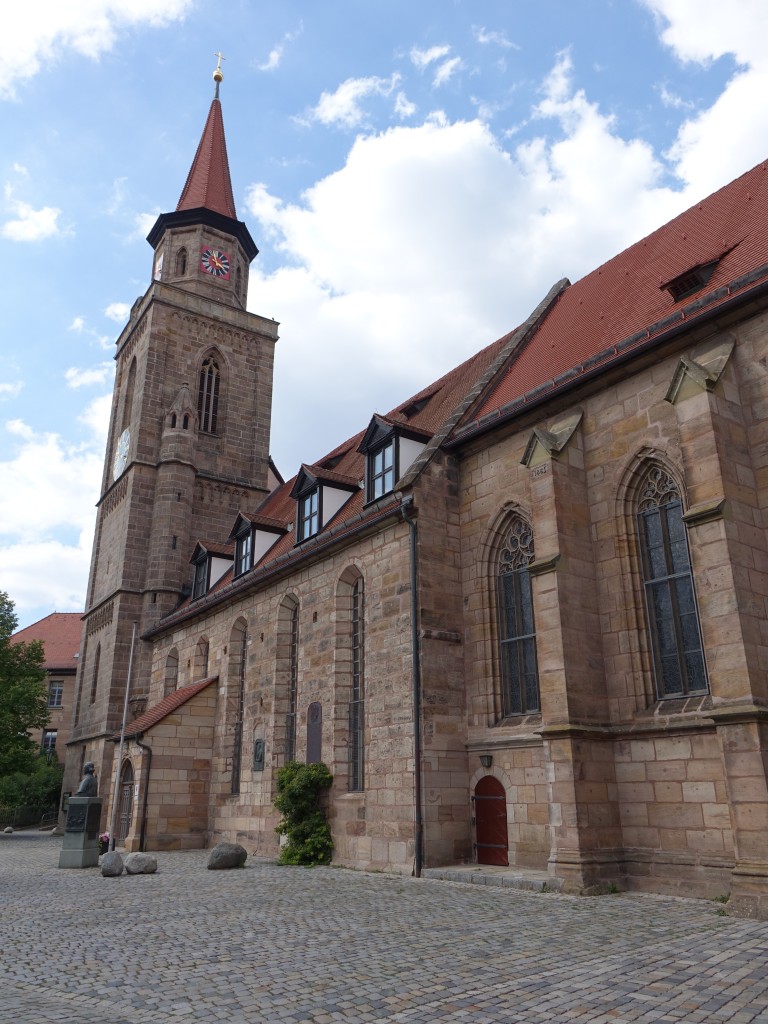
x,y
23,697
41,788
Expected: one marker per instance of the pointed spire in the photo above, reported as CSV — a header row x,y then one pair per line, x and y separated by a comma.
x,y
208,183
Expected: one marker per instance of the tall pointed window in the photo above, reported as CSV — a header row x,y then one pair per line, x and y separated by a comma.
x,y
171,680
181,262
95,676
670,600
357,703
517,632
238,658
293,686
208,395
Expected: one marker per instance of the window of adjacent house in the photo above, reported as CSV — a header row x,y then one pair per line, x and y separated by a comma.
x,y
49,742
244,552
670,599
517,632
55,694
357,703
381,471
208,395
309,514
200,585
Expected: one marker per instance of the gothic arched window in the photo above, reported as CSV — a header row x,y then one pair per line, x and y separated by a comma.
x,y
208,395
171,680
181,262
670,600
517,632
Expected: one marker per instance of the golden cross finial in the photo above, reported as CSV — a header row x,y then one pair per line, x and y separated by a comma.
x,y
218,74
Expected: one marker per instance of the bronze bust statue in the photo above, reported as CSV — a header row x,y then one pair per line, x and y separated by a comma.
x,y
89,786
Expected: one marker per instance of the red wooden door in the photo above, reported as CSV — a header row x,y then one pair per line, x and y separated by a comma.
x,y
491,822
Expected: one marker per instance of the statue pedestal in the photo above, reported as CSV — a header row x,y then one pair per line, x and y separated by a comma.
x,y
80,848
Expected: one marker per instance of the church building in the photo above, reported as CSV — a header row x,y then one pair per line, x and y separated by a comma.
x,y
521,616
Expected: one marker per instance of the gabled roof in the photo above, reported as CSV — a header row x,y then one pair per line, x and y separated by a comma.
x,y
60,633
382,427
308,476
208,185
624,305
166,706
215,548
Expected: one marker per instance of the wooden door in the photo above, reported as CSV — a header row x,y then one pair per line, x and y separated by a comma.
x,y
491,822
125,807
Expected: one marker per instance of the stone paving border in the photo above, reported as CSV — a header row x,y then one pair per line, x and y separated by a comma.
x,y
323,945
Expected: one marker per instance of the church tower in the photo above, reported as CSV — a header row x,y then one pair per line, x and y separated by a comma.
x,y
188,442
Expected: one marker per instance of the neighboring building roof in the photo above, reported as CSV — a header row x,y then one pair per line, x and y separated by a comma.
x,y
165,707
60,633
208,183
627,303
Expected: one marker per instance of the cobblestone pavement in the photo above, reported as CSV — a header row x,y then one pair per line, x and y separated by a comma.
x,y
294,946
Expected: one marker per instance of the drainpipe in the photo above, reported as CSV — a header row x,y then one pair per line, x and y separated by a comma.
x,y
416,683
145,778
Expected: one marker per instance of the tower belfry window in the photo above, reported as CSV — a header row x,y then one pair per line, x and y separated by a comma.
x,y
181,262
208,395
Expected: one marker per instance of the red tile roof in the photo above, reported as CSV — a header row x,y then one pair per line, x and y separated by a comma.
x,y
60,633
165,707
208,183
624,300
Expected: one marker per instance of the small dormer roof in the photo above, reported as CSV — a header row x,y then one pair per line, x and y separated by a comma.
x,y
309,476
382,427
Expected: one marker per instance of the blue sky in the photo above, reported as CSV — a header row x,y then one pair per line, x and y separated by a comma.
x,y
416,176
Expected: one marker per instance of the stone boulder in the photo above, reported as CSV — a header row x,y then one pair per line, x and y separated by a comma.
x,y
111,864
226,855
140,864
8,830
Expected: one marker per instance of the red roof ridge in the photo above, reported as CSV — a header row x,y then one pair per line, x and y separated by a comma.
x,y
208,183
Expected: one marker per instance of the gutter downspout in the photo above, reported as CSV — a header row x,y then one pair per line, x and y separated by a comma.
x,y
416,684
143,833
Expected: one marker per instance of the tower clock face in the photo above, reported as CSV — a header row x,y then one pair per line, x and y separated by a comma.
x,y
121,453
215,262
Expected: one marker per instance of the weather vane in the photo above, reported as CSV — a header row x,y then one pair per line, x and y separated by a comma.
x,y
218,74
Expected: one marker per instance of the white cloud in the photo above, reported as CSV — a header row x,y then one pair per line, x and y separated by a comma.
x,y
446,71
117,311
276,53
48,489
483,36
77,325
10,389
423,58
143,223
403,106
671,99
431,241
344,107
31,225
77,378
41,33
723,141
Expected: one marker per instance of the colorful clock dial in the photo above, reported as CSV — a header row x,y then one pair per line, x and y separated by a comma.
x,y
215,262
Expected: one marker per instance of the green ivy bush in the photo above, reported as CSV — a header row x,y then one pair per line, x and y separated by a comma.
x,y
299,787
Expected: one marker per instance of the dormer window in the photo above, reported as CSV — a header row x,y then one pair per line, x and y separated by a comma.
x,y
319,494
211,561
200,585
691,281
253,536
309,514
244,550
390,449
381,471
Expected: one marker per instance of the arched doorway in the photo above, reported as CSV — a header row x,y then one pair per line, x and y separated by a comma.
x,y
125,805
490,802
